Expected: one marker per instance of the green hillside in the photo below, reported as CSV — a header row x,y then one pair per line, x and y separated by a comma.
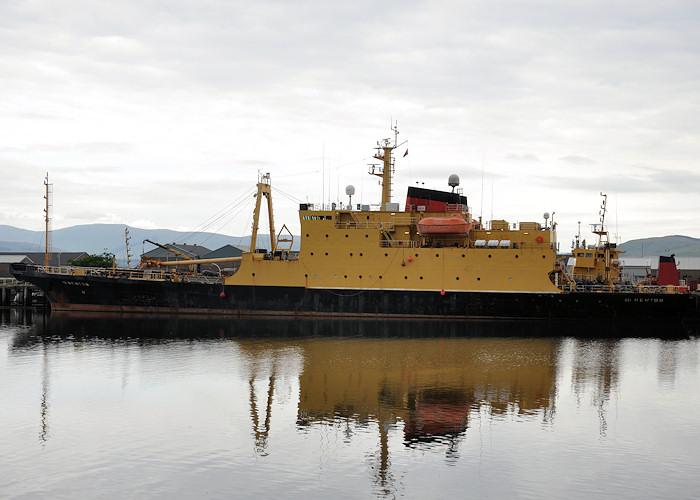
x,y
681,246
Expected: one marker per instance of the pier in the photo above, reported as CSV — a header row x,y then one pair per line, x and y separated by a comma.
x,y
15,293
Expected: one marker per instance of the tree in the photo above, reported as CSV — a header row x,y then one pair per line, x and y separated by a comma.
x,y
93,260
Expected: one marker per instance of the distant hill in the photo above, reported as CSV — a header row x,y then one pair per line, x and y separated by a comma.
x,y
96,238
681,246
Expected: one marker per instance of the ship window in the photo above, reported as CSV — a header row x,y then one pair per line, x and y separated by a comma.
x,y
478,279
326,253
601,255
346,235
350,254
360,276
307,235
329,217
346,276
253,274
589,255
421,277
386,255
380,277
312,253
366,235
437,255
489,256
457,278
405,277
360,254
517,256
463,255
326,236
306,276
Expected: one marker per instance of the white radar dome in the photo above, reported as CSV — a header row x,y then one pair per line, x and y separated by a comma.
x,y
453,181
350,190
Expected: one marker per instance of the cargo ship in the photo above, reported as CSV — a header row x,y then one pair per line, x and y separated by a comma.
x,y
431,260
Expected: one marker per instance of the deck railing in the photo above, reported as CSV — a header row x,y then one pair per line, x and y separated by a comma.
x,y
621,288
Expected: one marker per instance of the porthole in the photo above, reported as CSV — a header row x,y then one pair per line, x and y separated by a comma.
x,y
489,256
312,253
306,276
360,276
253,274
437,255
346,276
326,236
380,277
517,256
478,279
346,235
366,235
457,278
421,277
360,254
326,253
307,235
463,256
544,256
350,254
405,277
386,255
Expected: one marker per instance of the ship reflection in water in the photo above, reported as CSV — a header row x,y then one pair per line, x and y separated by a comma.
x,y
161,406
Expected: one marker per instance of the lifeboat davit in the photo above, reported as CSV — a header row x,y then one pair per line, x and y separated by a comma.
x,y
453,225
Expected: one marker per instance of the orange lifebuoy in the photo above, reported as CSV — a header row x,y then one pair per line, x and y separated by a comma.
x,y
539,239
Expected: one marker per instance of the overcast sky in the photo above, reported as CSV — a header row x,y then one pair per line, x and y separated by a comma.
x,y
159,114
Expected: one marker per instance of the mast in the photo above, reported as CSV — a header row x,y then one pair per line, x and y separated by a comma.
x,y
127,239
264,189
384,149
603,240
47,218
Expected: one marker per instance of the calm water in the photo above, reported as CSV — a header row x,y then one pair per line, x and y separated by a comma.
x,y
144,407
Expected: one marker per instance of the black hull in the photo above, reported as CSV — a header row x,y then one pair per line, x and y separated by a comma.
x,y
94,293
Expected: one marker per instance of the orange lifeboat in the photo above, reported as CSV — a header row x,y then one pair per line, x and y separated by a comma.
x,y
454,225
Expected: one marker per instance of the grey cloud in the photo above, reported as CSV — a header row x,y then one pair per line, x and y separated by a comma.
x,y
86,147
523,157
577,160
644,180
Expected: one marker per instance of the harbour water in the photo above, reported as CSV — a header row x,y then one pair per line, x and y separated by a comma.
x,y
165,407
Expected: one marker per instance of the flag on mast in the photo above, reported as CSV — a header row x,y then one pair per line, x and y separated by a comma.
x,y
406,153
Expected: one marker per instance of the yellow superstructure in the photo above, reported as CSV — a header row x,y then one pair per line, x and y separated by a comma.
x,y
379,249
383,249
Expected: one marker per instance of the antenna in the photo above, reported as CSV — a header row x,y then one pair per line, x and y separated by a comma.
x,y
47,211
323,178
481,208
